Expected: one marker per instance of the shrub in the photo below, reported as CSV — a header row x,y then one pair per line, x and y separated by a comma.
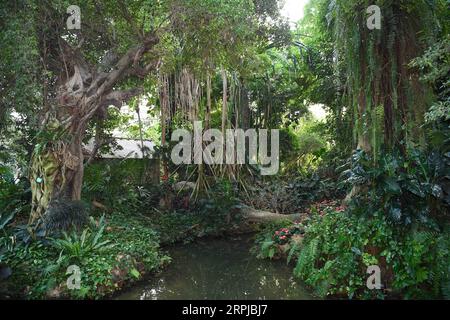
x,y
76,247
303,148
220,207
338,248
290,196
409,189
266,245
63,214
110,255
15,194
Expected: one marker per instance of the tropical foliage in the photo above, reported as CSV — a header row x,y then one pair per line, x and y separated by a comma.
x,y
363,182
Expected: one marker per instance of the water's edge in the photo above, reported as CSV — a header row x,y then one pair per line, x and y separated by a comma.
x,y
216,269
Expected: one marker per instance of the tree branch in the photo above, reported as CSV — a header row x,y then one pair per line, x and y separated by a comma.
x,y
121,69
118,98
142,72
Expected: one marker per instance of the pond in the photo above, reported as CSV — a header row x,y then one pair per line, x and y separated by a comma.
x,y
219,269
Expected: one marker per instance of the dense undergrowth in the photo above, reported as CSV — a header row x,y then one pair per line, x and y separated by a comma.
x,y
396,213
396,220
385,92
333,255
120,244
109,255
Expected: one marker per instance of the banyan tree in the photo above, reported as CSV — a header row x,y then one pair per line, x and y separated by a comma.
x,y
117,52
83,91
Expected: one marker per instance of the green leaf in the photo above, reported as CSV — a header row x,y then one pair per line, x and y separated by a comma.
x,y
135,273
392,186
415,188
271,252
437,191
4,220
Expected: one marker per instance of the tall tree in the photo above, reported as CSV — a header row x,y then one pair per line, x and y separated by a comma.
x,y
88,72
387,100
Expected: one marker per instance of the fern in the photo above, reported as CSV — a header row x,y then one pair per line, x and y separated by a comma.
x,y
267,249
75,246
293,251
307,258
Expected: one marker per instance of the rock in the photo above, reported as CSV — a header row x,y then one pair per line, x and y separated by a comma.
x,y
184,185
56,292
118,275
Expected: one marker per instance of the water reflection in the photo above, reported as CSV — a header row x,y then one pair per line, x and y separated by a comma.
x,y
220,269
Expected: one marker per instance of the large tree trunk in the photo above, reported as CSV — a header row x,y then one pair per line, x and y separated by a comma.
x,y
390,101
56,172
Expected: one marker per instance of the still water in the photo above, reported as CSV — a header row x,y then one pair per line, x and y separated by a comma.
x,y
219,269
